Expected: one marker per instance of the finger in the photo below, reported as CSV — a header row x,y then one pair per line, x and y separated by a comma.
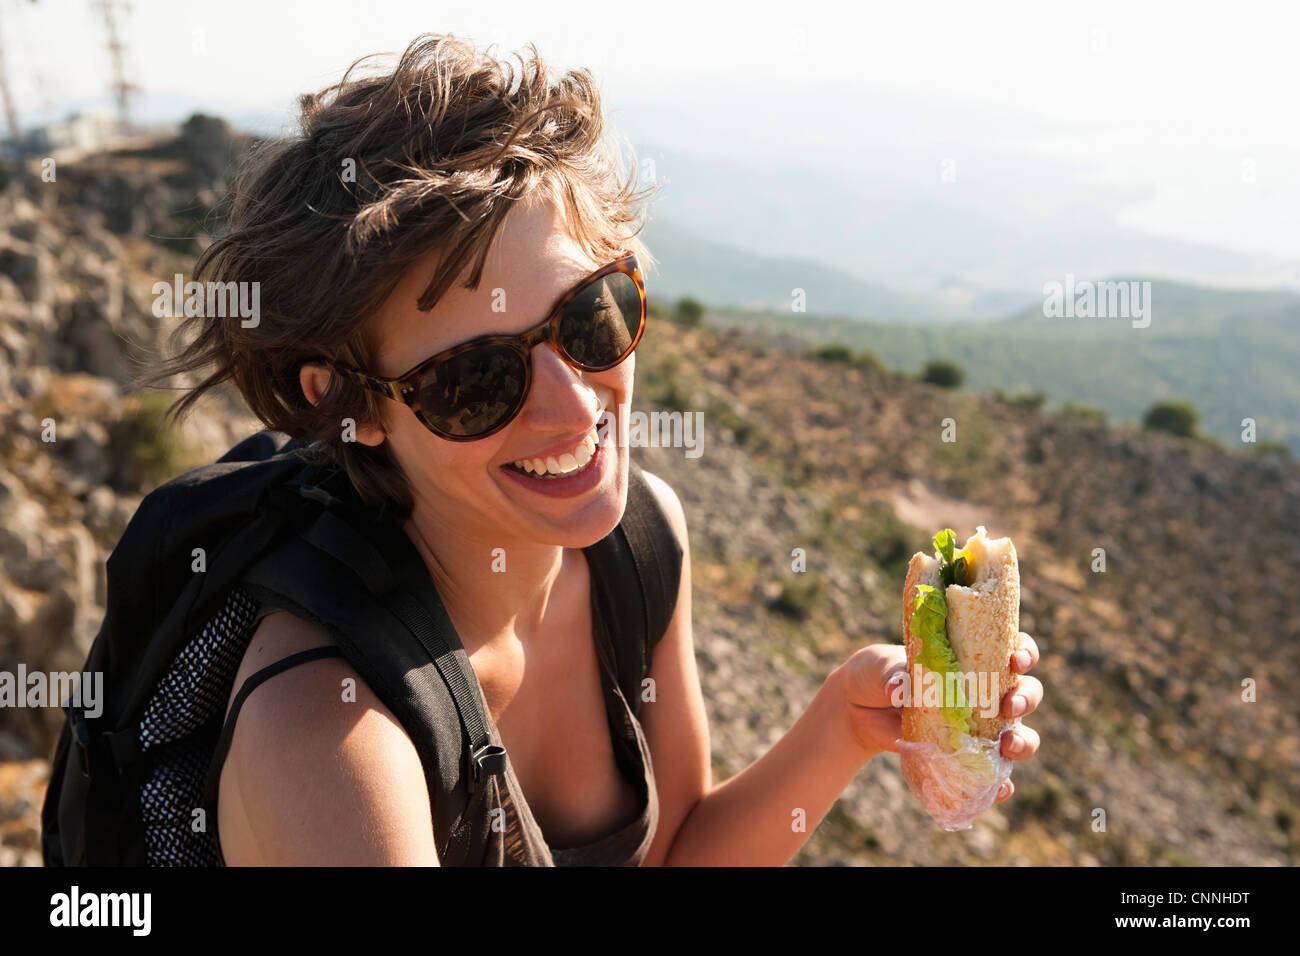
x,y
892,661
1020,743
893,693
1025,655
1023,698
872,668
1005,791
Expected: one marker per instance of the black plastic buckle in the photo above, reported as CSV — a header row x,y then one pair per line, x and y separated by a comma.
x,y
80,735
317,493
488,761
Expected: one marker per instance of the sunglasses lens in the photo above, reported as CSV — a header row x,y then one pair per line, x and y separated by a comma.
x,y
475,391
599,326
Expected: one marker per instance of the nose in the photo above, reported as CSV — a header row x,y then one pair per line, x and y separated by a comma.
x,y
560,399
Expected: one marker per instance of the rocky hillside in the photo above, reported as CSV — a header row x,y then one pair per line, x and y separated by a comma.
x,y
1143,664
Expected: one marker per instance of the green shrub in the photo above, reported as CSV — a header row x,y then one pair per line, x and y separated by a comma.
x,y
943,373
727,416
673,396
688,311
869,361
144,450
1271,446
1023,399
1176,418
796,598
1088,413
831,353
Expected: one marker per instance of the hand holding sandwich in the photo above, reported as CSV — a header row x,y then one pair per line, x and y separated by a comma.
x,y
950,700
872,674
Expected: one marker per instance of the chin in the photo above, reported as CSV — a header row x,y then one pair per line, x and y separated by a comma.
x,y
580,524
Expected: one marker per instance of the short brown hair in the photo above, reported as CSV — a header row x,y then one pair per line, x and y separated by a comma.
x,y
442,147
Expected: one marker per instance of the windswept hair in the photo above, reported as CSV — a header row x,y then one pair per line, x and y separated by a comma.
x,y
441,148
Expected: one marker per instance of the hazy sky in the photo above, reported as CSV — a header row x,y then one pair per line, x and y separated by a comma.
x,y
1192,106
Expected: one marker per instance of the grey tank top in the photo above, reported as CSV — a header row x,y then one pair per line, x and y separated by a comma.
x,y
519,840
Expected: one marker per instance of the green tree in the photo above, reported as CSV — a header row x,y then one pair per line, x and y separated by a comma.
x,y
1176,418
689,311
832,353
868,361
943,373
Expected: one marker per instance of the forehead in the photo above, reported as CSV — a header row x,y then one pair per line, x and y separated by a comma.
x,y
533,261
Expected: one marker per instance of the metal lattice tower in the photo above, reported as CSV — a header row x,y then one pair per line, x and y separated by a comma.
x,y
6,101
109,9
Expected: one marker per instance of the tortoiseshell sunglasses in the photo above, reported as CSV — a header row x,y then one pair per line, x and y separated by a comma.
x,y
476,388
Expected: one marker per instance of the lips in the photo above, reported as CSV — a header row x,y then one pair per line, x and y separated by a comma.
x,y
561,461
578,482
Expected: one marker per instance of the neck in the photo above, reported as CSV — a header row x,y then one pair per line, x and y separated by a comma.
x,y
489,594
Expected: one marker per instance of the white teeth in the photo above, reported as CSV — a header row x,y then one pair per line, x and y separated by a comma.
x,y
566,463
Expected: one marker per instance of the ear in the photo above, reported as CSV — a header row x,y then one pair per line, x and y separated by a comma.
x,y
315,379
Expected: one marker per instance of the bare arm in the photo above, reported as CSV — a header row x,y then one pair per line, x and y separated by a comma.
x,y
313,778
763,815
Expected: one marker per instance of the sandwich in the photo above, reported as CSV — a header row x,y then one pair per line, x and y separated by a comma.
x,y
961,624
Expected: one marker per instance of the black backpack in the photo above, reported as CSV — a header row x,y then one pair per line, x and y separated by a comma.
x,y
295,535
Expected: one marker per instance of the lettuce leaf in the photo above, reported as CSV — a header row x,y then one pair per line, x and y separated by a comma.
x,y
954,568
930,624
945,542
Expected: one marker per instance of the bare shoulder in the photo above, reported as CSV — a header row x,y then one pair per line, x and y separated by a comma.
x,y
671,504
319,770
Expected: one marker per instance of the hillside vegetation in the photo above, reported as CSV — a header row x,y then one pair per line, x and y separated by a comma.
x,y
1233,355
1143,664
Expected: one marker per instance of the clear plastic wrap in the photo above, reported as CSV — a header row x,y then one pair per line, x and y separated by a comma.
x,y
956,787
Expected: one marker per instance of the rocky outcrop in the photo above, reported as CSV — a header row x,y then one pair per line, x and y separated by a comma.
x,y
75,326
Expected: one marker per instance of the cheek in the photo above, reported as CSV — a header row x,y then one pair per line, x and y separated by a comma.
x,y
618,381
435,462
416,449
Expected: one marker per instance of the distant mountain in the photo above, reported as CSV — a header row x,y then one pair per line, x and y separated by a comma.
x,y
1232,354
720,274
978,247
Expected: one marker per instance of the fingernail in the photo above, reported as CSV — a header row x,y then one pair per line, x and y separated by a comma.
x,y
1016,745
1018,705
1022,660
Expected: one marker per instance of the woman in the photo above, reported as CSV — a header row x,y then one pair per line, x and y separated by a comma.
x,y
418,211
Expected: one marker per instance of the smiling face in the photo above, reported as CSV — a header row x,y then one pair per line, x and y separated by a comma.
x,y
469,487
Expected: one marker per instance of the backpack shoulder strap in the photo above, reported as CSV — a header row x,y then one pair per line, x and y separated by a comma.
x,y
636,570
657,553
360,578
